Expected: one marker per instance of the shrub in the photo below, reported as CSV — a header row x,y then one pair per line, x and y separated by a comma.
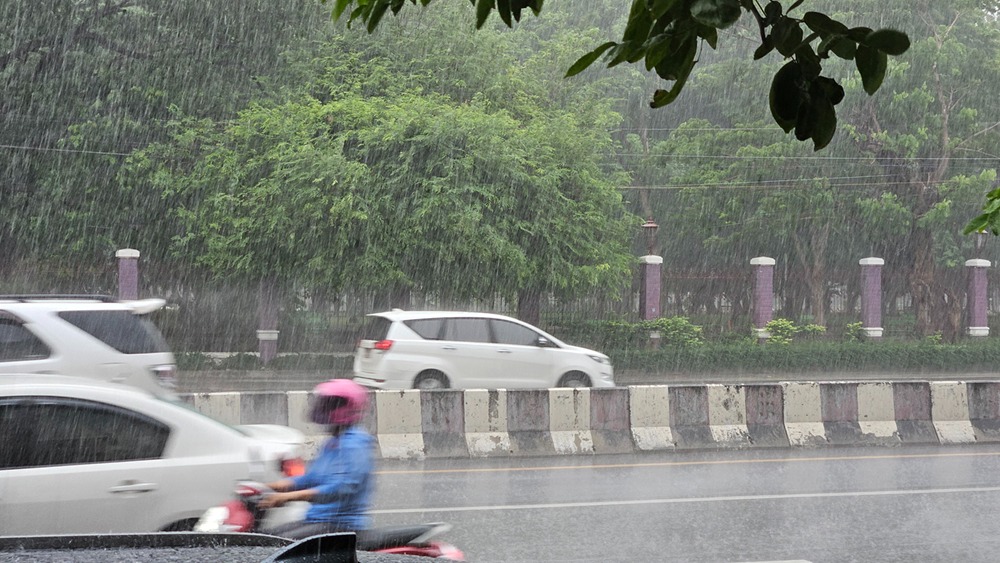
x,y
621,335
782,331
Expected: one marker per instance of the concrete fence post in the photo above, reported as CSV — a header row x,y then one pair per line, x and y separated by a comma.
x,y
128,273
871,296
649,291
977,300
763,294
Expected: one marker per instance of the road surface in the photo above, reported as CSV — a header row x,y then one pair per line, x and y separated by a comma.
x,y
928,504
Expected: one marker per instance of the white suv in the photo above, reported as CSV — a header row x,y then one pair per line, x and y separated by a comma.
x,y
439,349
88,336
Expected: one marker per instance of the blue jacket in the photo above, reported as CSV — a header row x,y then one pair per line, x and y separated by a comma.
x,y
342,475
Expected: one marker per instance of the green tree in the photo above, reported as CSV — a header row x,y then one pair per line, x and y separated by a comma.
x,y
363,178
85,84
931,138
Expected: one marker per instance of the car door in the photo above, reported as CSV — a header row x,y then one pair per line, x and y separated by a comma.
x,y
82,467
467,345
520,362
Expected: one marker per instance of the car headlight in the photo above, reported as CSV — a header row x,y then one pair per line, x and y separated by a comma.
x,y
601,359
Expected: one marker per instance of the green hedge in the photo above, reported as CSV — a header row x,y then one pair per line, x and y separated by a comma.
x,y
195,361
751,357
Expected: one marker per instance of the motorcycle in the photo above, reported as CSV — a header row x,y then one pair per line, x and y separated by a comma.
x,y
244,514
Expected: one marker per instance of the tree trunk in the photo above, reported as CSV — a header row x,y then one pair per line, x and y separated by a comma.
x,y
817,274
529,304
922,281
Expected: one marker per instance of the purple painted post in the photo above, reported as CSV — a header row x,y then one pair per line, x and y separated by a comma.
x,y
128,273
267,333
649,293
763,294
977,300
871,296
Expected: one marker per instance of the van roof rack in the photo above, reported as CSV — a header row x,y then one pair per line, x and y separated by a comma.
x,y
42,296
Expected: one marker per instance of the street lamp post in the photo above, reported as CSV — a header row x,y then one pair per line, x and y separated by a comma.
x,y
981,237
650,228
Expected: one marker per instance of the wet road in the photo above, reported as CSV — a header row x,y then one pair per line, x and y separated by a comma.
x,y
925,504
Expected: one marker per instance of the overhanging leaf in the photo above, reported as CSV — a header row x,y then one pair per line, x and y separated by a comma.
x,y
823,24
585,61
825,123
719,14
639,23
762,51
888,41
679,60
503,9
339,7
784,97
483,9
657,8
871,65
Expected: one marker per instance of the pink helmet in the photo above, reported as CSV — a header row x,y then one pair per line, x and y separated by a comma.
x,y
340,402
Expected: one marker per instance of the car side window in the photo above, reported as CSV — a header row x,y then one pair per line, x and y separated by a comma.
x,y
506,332
18,343
428,329
57,431
14,450
467,330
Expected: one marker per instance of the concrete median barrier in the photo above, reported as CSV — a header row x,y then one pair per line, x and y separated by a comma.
x,y
534,422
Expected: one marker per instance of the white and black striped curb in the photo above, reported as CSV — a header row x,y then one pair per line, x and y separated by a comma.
x,y
526,422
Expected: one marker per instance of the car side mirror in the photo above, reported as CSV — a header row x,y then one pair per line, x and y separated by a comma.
x,y
543,342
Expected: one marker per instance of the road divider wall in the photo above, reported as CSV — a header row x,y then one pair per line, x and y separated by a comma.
x,y
534,422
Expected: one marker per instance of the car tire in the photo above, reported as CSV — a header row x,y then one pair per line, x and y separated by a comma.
x,y
430,380
186,525
574,379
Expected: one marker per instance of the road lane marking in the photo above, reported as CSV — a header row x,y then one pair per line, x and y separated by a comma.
x,y
682,463
689,500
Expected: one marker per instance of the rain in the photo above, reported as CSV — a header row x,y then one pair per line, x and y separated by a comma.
x,y
283,173
326,172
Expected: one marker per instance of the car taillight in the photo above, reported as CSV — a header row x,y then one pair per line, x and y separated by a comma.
x,y
383,344
166,374
293,467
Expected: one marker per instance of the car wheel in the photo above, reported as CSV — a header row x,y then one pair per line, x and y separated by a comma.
x,y
574,379
181,526
430,380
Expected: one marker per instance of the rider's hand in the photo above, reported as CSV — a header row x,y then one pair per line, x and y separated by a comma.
x,y
280,486
274,499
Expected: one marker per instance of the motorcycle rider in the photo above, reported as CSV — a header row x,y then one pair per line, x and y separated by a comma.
x,y
339,481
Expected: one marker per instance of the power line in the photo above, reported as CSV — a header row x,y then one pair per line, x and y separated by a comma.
x,y
772,184
838,158
53,149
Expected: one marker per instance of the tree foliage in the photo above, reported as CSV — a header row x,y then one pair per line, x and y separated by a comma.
x,y
374,172
666,36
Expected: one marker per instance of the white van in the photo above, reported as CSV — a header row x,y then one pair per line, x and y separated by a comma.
x,y
89,336
460,350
